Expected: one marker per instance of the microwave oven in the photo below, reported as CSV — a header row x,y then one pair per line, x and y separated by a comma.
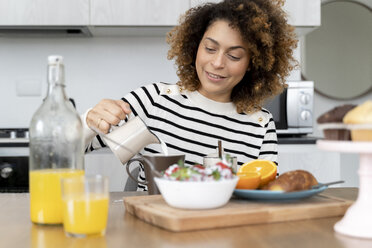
x,y
292,110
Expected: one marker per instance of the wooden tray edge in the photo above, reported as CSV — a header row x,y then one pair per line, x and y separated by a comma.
x,y
179,224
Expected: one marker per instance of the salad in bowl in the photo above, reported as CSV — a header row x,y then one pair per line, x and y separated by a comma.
x,y
196,186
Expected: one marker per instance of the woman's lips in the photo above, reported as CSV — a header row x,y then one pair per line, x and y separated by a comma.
x,y
214,77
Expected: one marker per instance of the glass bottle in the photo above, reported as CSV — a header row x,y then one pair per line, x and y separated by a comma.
x,y
56,147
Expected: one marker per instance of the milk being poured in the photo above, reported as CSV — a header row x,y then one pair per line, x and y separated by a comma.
x,y
164,147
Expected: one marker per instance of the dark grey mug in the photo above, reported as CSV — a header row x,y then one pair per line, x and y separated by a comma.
x,y
153,164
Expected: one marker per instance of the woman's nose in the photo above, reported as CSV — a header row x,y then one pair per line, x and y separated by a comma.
x,y
218,60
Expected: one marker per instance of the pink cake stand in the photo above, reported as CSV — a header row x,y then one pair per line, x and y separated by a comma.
x,y
357,221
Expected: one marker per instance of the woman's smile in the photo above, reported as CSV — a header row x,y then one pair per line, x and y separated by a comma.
x,y
214,77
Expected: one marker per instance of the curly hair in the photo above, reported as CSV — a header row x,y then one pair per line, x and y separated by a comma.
x,y
263,26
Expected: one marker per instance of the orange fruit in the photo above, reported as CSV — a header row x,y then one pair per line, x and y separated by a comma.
x,y
266,168
248,180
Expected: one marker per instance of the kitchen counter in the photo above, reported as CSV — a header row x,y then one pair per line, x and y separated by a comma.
x,y
125,230
300,140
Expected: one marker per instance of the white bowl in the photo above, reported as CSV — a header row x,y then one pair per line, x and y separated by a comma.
x,y
196,195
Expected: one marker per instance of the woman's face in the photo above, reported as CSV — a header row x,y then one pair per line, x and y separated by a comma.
x,y
221,61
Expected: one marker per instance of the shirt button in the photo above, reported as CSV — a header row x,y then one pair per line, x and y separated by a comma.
x,y
169,91
260,119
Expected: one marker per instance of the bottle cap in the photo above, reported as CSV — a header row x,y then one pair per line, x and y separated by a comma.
x,y
55,59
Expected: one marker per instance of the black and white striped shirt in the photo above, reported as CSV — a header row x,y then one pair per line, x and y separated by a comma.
x,y
192,124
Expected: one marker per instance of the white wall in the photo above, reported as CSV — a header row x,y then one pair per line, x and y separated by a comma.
x,y
95,68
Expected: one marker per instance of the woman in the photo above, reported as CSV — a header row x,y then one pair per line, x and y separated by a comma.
x,y
231,57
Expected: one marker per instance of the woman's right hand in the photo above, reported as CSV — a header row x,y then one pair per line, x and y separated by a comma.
x,y
106,113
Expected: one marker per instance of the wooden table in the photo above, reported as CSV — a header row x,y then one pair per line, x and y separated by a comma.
x,y
125,230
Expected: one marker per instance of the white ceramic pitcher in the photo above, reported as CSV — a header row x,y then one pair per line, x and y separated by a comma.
x,y
127,140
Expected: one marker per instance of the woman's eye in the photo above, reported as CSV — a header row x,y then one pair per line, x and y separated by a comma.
x,y
232,57
210,49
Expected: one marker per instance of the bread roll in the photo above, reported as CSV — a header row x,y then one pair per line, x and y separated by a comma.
x,y
292,181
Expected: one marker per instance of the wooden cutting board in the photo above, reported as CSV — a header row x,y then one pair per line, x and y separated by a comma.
x,y
154,210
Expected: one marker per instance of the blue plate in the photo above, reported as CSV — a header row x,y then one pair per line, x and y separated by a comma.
x,y
268,195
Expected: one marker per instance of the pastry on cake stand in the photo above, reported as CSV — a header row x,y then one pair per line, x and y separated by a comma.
x,y
357,221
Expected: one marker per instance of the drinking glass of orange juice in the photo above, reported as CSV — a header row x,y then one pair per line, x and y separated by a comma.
x,y
85,202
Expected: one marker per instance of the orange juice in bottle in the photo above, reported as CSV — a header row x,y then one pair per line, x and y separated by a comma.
x,y
45,191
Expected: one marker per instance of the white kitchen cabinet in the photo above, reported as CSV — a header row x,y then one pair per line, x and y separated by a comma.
x,y
324,165
44,12
104,162
111,14
300,12
137,12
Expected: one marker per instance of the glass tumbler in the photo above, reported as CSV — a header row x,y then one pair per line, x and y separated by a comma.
x,y
211,160
85,206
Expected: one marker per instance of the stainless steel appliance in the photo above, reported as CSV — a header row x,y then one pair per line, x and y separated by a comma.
x,y
293,109
14,160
